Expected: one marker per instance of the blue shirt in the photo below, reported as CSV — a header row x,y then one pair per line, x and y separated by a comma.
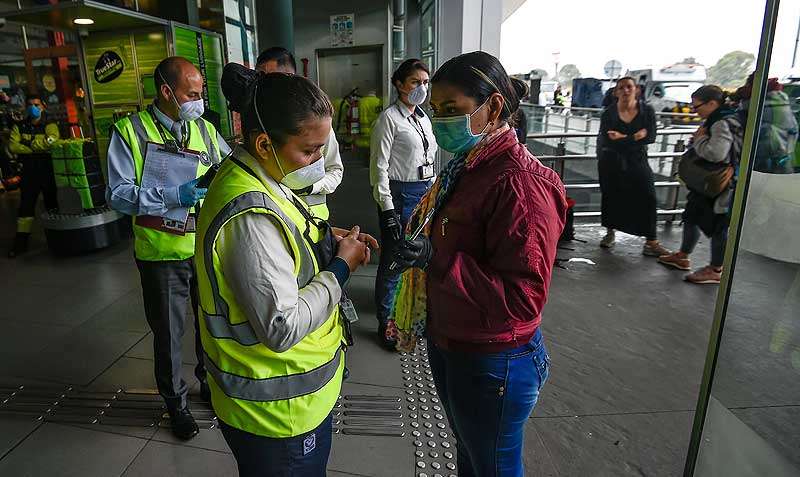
x,y
122,192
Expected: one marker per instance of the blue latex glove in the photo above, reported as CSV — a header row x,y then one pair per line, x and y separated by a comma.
x,y
189,194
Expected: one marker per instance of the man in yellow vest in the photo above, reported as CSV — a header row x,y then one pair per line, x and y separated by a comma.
x,y
280,60
166,259
31,140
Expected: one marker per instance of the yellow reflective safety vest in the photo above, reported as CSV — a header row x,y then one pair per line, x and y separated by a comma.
x,y
253,388
137,130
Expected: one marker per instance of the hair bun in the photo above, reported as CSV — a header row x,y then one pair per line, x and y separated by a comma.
x,y
520,87
237,82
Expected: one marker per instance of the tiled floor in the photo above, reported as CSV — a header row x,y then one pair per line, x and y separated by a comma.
x,y
627,338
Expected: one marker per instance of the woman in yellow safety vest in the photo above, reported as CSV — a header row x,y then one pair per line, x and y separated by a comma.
x,y
270,276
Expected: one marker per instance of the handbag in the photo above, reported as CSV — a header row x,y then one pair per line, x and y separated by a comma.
x,y
707,178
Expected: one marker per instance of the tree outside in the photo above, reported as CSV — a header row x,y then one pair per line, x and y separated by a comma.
x,y
566,74
731,70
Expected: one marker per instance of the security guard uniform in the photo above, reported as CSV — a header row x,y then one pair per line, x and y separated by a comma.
x,y
255,389
165,260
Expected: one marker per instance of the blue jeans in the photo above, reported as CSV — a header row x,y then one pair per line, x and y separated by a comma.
x,y
405,196
691,235
304,455
488,397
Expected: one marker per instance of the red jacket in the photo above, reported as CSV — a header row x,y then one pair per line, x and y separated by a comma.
x,y
494,248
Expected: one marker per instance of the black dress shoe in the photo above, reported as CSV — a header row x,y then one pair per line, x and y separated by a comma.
x,y
205,392
183,425
20,245
386,342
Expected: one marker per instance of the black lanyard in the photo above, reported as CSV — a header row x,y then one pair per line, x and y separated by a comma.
x,y
163,134
421,131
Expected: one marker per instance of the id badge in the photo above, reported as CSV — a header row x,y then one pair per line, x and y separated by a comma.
x,y
348,310
425,172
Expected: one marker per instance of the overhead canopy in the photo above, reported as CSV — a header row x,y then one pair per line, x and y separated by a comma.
x,y
61,16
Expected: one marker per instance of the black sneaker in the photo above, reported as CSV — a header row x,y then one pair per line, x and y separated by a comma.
x,y
20,245
183,425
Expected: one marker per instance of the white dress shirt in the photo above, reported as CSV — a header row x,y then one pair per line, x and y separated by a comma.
x,y
334,169
396,150
258,266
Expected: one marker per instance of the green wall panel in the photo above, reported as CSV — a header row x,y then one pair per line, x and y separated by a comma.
x,y
123,89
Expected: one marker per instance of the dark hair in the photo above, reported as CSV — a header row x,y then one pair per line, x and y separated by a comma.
x,y
626,78
31,97
406,69
282,57
710,92
283,100
479,75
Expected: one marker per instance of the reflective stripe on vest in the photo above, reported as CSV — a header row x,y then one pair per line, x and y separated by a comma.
x,y
142,137
213,154
315,199
278,388
218,325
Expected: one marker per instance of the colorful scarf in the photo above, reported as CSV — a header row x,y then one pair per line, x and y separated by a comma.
x,y
410,304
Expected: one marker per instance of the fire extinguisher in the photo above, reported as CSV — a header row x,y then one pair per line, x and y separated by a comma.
x,y
353,122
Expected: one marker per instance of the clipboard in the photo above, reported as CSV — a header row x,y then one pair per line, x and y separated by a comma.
x,y
165,165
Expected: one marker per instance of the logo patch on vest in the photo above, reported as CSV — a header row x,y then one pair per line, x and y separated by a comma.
x,y
309,443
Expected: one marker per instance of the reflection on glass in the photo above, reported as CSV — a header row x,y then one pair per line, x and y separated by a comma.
x,y
751,427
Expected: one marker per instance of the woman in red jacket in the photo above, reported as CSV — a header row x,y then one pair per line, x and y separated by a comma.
x,y
476,280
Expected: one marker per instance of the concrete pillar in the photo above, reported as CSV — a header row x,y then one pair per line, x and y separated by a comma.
x,y
468,25
275,24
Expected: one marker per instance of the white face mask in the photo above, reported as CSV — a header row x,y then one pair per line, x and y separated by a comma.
x,y
305,176
418,95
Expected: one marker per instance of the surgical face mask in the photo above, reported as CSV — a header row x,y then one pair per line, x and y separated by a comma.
x,y
418,95
454,133
34,112
299,178
188,111
305,176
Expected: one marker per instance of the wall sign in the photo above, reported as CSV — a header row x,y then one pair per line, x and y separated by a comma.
x,y
342,30
108,68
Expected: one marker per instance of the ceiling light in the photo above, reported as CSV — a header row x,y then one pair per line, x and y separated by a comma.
x,y
83,21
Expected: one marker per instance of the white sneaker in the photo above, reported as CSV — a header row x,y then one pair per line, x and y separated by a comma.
x,y
609,240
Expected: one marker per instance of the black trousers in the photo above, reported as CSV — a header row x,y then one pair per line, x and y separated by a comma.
x,y
168,287
37,176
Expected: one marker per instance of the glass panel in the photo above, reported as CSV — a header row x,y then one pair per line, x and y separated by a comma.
x,y
754,406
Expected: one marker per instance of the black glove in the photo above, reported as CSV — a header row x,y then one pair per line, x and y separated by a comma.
x,y
412,253
304,191
390,224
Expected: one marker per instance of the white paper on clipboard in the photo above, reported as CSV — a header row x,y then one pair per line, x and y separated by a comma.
x,y
169,169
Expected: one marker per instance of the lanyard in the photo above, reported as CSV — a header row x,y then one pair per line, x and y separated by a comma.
x,y
421,131
162,132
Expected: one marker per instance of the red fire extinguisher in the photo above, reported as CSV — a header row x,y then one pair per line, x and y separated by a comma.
x,y
353,122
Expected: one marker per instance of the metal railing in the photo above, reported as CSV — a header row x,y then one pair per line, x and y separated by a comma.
x,y
560,158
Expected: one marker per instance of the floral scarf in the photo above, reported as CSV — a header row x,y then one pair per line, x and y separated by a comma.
x,y
410,304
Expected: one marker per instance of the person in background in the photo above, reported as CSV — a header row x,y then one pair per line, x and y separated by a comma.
x,y
166,260
718,140
629,204
31,140
402,153
271,276
777,133
487,256
280,60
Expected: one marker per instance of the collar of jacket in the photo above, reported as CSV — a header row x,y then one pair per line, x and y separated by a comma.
x,y
496,146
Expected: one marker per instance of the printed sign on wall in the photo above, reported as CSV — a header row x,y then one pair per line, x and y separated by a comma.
x,y
108,68
342,30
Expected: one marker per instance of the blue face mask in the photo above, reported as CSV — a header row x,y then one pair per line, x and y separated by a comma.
x,y
454,133
34,112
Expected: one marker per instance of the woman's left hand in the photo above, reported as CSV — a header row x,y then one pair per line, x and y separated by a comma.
x,y
640,134
369,240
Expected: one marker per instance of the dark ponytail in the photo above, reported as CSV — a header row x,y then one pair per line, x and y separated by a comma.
x,y
479,75
284,101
